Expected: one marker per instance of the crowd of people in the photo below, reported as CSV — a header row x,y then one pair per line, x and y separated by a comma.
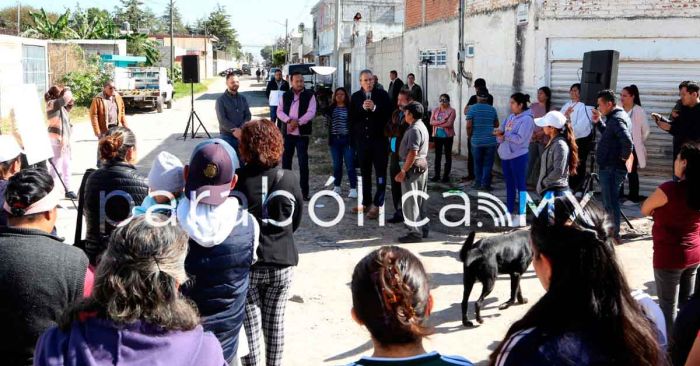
x,y
193,265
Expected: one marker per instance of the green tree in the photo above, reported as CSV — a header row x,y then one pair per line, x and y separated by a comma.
x,y
8,18
44,27
219,24
139,17
93,23
266,53
138,44
178,26
278,58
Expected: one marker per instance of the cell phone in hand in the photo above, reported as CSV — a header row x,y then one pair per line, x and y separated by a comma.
x,y
659,118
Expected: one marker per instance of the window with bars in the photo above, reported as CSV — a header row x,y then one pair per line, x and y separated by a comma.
x,y
437,56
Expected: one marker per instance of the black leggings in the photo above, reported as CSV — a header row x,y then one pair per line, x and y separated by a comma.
x,y
443,145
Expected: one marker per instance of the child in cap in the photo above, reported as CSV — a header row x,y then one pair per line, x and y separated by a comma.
x,y
166,175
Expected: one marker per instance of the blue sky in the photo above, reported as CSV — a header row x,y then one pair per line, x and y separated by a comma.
x,y
257,21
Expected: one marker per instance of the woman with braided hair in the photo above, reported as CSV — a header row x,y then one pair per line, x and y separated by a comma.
x,y
588,315
391,297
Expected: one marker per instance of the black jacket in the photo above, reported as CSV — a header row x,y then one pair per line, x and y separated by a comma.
x,y
40,277
277,246
366,126
416,92
112,177
615,144
272,85
394,89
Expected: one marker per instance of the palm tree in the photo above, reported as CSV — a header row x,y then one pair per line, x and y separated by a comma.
x,y
44,28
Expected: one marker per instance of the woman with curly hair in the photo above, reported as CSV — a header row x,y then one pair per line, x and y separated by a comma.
x,y
391,298
274,197
136,314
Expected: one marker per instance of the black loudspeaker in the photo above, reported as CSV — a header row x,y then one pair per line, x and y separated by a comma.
x,y
599,73
190,69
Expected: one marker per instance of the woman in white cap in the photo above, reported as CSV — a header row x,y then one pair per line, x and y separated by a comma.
x,y
10,164
560,156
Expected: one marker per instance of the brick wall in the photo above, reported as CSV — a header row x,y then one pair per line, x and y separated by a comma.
x,y
592,9
435,10
414,14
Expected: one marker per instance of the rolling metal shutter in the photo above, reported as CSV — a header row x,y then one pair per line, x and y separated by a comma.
x,y
658,87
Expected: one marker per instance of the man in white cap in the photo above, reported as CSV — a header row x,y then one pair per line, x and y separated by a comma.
x,y
10,164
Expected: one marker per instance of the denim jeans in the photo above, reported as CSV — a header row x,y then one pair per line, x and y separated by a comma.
x,y
301,145
342,150
514,171
483,164
611,179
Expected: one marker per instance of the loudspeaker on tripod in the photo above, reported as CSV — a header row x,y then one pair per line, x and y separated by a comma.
x,y
599,73
190,69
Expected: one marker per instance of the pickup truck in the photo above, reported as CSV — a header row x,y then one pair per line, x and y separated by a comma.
x,y
144,87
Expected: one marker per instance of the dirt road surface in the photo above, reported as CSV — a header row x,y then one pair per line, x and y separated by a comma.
x,y
319,329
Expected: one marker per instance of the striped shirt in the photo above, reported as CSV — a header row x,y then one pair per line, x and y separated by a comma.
x,y
482,116
339,121
426,359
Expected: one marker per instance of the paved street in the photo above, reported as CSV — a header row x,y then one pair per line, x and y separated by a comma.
x,y
319,328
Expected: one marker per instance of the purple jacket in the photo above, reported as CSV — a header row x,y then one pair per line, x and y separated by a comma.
x,y
518,131
101,342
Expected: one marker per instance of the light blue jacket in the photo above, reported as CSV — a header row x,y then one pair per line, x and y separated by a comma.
x,y
518,131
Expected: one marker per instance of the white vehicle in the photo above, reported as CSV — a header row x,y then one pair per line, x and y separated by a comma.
x,y
144,87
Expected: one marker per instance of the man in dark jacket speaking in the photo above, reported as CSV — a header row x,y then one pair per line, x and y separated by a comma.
x,y
613,152
370,111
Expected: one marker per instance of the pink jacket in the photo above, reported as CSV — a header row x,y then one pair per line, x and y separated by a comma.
x,y
640,132
447,124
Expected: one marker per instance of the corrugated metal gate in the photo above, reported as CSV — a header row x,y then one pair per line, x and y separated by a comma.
x,y
658,87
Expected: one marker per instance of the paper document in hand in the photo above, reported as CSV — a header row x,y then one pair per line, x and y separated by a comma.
x,y
275,97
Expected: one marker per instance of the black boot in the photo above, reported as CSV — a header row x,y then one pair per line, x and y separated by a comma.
x,y
397,218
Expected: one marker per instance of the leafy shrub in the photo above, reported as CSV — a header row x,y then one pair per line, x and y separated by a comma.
x,y
87,82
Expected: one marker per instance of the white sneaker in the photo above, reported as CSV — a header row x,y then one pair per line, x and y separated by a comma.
x,y
353,193
337,190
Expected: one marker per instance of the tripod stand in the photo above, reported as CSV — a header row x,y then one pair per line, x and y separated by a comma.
x,y
58,174
190,120
592,178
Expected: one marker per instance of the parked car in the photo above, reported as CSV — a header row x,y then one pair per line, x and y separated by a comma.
x,y
246,69
228,71
304,69
271,73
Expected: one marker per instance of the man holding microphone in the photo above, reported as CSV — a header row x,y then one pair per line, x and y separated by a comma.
x,y
370,111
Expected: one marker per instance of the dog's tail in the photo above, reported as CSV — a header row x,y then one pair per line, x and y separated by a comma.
x,y
466,246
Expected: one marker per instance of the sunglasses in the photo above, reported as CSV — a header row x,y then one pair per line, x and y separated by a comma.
x,y
444,101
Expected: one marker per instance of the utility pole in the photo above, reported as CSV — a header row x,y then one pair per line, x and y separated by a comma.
x,y
460,71
286,41
172,46
19,10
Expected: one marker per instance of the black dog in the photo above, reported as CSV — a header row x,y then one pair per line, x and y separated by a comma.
x,y
484,260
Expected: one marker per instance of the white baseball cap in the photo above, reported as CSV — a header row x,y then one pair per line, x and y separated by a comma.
x,y
9,149
552,119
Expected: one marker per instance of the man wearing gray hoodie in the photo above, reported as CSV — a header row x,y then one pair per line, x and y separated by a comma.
x,y
223,242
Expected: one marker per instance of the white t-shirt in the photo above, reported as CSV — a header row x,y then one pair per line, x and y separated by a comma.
x,y
581,118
